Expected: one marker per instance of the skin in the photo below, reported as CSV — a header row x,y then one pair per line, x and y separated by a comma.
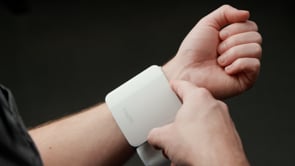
x,y
203,132
221,53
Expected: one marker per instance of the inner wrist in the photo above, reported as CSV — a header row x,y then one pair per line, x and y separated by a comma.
x,y
171,70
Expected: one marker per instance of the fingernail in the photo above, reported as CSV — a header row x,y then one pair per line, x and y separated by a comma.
x,y
221,60
227,68
222,47
223,34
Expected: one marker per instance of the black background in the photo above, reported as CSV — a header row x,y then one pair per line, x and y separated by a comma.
x,y
59,57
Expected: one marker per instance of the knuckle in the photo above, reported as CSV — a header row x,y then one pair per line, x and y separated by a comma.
x,y
259,38
253,25
256,65
257,49
225,6
255,37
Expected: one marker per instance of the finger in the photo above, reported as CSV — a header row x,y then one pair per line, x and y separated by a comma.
x,y
248,66
250,50
159,137
223,16
238,39
182,88
236,28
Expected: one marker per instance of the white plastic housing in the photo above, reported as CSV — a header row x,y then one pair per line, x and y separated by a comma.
x,y
144,102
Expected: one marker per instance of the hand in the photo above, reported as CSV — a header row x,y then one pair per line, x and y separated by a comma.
x,y
221,53
202,133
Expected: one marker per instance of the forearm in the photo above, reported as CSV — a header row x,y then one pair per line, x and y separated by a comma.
x,y
227,156
91,137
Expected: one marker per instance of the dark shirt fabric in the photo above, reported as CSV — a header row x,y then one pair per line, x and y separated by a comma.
x,y
16,146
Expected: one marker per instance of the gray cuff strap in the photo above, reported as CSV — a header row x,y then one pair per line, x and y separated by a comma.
x,y
151,156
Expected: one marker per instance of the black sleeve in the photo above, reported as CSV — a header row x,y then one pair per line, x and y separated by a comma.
x,y
16,146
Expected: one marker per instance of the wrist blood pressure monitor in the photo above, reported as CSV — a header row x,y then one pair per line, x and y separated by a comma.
x,y
142,103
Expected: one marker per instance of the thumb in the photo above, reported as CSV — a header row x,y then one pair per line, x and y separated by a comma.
x,y
159,137
223,16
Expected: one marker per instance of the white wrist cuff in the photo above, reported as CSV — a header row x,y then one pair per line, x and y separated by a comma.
x,y
142,103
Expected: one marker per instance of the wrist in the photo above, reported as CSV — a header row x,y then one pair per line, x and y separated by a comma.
x,y
171,70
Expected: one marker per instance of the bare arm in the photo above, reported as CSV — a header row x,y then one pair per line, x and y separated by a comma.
x,y
90,137
221,53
